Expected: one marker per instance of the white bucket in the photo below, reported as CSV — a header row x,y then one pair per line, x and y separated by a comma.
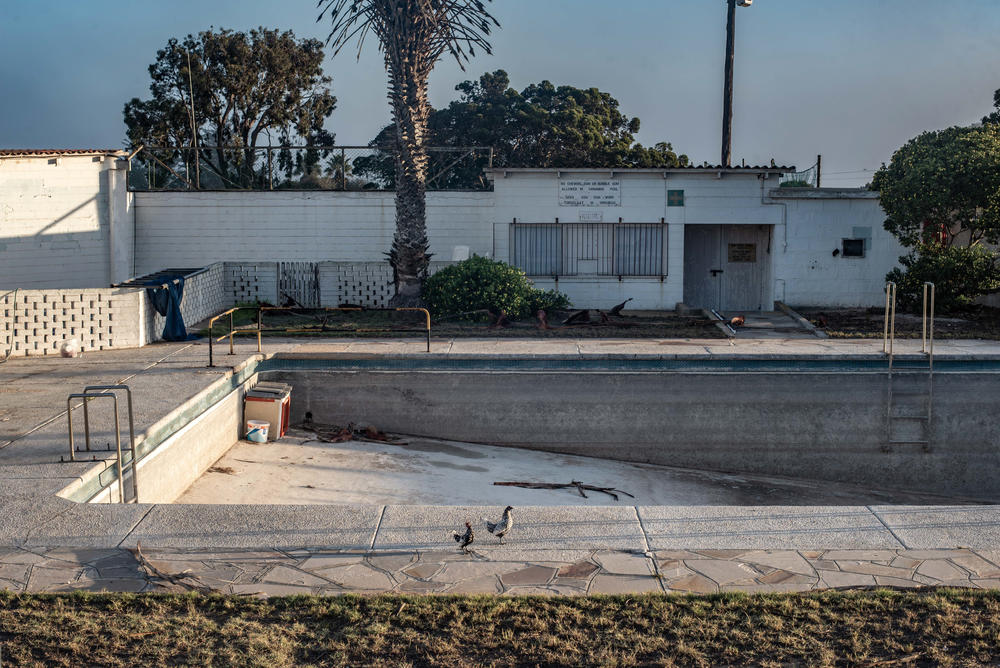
x,y
257,430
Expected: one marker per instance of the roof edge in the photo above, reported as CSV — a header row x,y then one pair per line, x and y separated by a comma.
x,y
822,193
57,152
755,169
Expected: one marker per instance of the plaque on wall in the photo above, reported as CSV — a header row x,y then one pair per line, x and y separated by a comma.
x,y
742,252
591,216
590,192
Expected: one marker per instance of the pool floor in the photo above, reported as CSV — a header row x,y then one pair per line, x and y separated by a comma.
x,y
301,470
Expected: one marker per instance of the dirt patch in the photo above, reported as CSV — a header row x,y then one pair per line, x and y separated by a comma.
x,y
630,325
868,323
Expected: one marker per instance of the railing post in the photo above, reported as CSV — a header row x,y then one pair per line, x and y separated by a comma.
x,y
232,351
928,287
211,338
927,322
270,173
343,169
260,323
889,325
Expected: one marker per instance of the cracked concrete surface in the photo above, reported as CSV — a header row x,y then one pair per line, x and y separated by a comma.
x,y
331,572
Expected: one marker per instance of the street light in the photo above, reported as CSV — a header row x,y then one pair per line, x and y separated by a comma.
x,y
727,90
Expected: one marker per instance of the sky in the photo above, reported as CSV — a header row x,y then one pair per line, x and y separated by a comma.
x,y
852,80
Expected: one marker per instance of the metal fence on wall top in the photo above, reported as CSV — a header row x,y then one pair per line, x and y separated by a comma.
x,y
300,168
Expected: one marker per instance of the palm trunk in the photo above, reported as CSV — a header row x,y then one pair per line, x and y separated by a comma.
x,y
409,257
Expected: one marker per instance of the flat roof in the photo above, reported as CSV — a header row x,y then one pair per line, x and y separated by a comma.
x,y
735,169
49,152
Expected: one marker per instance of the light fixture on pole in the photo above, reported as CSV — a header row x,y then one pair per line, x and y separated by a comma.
x,y
727,89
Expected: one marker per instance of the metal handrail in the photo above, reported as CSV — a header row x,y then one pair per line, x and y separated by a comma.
x,y
292,330
93,392
211,325
927,325
889,326
131,435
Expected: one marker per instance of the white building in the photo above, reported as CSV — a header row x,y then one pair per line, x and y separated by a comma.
x,y
711,237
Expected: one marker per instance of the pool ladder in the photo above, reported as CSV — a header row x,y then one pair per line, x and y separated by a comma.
x,y
909,408
109,392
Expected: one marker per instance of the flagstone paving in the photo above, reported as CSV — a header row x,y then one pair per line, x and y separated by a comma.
x,y
332,572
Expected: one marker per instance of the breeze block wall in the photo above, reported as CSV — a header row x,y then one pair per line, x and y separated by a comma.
x,y
37,322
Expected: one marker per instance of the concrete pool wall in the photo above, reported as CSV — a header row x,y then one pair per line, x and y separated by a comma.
x,y
819,425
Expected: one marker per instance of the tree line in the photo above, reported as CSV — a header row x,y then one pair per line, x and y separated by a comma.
x,y
265,87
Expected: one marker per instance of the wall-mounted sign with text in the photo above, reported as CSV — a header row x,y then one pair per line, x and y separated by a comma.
x,y
590,192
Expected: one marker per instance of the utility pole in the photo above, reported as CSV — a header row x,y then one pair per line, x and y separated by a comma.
x,y
727,88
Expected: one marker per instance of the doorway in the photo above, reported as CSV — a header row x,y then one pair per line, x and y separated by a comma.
x,y
727,267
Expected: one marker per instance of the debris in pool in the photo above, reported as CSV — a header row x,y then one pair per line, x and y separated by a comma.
x,y
580,486
228,470
331,433
309,486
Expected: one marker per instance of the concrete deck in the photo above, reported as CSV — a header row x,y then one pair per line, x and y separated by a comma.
x,y
64,544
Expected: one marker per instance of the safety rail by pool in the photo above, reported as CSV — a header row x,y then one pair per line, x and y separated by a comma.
x,y
259,329
107,391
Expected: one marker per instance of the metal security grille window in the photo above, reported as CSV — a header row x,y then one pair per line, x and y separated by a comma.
x,y
589,249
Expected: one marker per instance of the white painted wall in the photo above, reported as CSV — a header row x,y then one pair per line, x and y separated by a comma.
x,y
55,220
806,273
69,222
533,197
182,229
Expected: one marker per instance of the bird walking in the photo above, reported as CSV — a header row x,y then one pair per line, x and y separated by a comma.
x,y
464,539
501,528
617,308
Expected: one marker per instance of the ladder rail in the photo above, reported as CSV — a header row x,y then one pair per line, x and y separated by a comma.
x,y
131,436
87,396
888,336
94,392
927,327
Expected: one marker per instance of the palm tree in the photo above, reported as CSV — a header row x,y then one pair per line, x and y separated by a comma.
x,y
413,35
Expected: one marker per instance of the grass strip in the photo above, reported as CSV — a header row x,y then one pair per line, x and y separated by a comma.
x,y
877,627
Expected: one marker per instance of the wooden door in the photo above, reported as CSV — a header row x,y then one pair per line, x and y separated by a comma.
x,y
744,263
702,265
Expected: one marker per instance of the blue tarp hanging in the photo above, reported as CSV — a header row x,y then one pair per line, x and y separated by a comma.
x,y
167,302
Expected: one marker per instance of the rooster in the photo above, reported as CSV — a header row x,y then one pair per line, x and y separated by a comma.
x,y
500,529
737,321
464,539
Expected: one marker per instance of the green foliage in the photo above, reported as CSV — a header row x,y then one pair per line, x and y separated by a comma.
x,y
994,118
541,126
481,283
795,184
959,273
252,88
944,182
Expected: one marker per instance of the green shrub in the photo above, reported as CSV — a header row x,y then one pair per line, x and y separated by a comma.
x,y
959,273
482,283
795,183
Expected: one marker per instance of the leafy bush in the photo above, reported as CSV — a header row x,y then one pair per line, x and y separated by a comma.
x,y
795,183
959,273
482,283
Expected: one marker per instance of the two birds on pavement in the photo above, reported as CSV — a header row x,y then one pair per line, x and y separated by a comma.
x,y
498,529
